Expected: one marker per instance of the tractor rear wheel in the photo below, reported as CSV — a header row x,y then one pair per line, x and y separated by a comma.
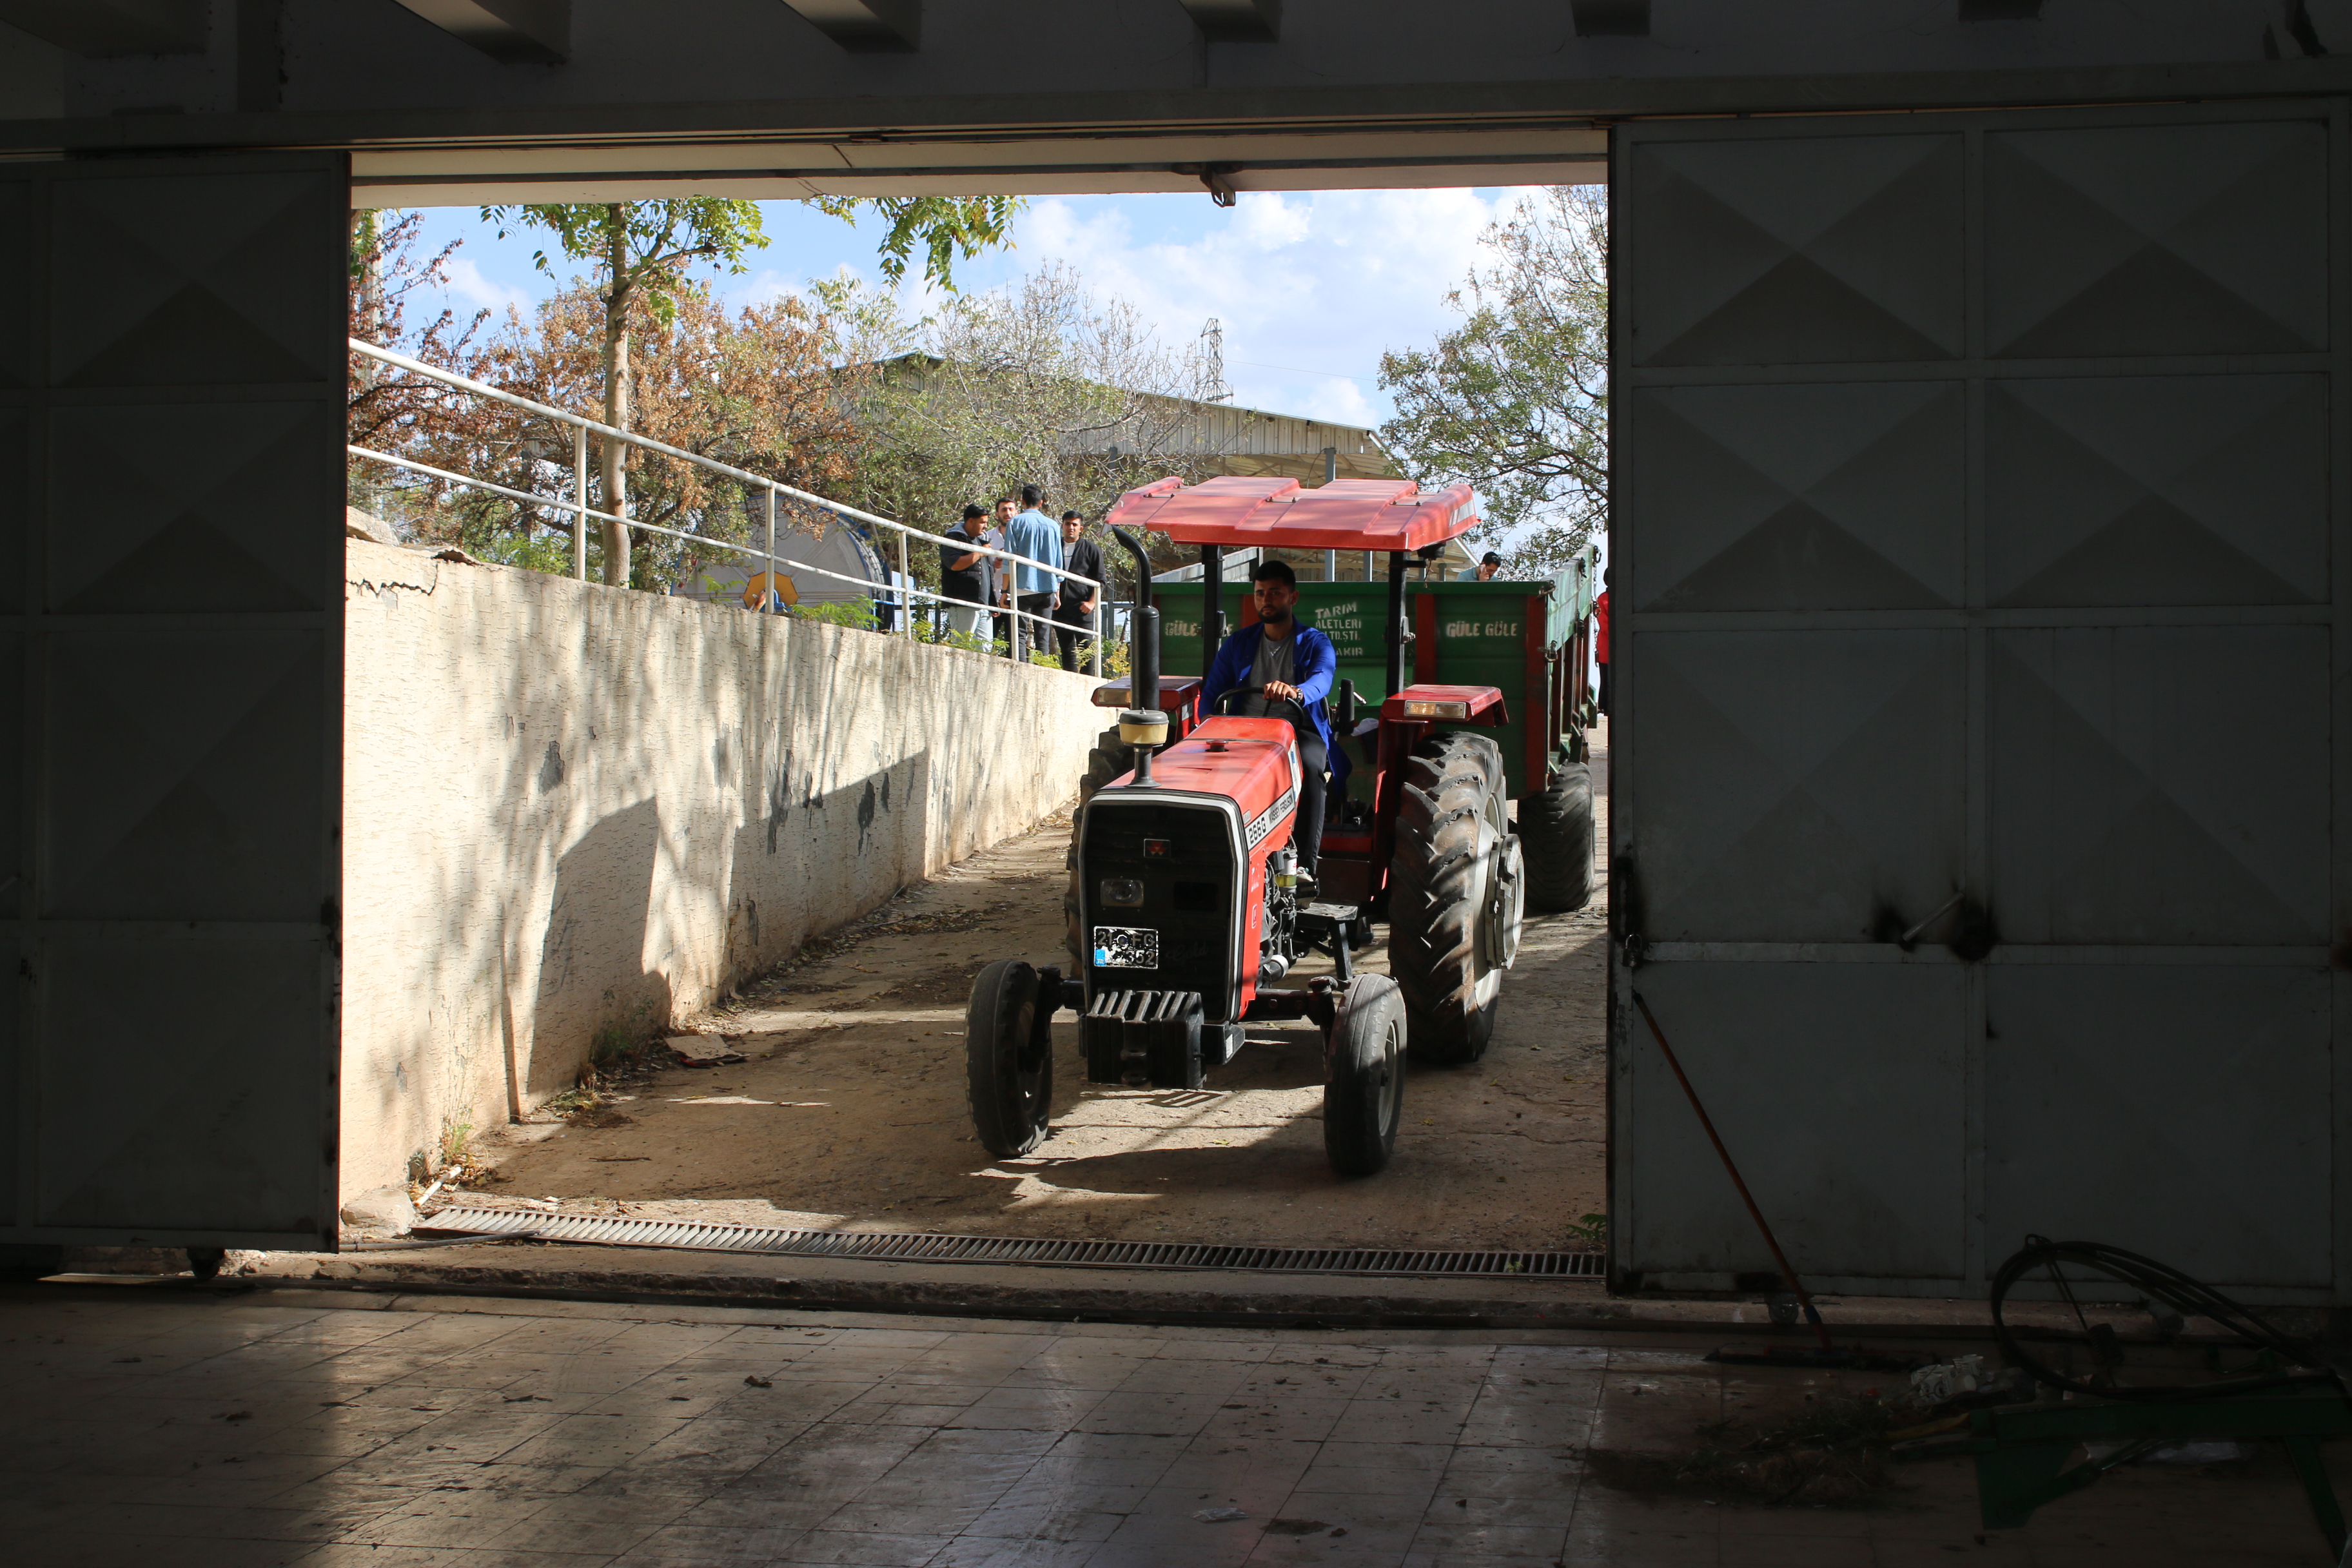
x,y
1363,1077
1454,906
1110,757
1008,1044
1555,830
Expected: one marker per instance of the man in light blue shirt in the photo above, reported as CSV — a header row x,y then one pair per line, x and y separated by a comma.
x,y
1036,537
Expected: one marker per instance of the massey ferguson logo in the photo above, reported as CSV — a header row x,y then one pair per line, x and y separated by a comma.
x,y
1271,817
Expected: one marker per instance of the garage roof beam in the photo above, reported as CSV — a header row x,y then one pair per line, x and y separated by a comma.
x,y
515,32
1613,19
99,29
1238,21
866,26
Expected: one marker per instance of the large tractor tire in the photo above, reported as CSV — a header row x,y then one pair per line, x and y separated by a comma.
x,y
1008,1044
1363,1077
1110,758
1555,832
1455,888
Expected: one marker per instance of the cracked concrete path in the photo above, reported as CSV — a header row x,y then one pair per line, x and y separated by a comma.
x,y
850,1111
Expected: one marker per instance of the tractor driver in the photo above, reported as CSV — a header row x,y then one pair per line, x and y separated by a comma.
x,y
1287,669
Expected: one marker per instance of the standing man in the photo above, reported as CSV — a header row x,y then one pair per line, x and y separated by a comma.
x,y
1076,608
1033,536
1000,577
964,574
1601,642
1288,668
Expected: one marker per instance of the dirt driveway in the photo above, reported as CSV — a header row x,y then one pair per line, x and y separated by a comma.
x,y
849,1111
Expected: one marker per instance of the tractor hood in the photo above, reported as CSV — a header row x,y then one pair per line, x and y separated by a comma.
x,y
1253,763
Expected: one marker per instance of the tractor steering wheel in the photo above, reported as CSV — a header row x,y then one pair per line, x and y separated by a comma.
x,y
1230,693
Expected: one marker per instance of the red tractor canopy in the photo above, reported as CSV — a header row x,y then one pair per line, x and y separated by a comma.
x,y
1390,515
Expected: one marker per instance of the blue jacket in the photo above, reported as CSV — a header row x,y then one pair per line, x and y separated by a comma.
x,y
1039,537
1314,667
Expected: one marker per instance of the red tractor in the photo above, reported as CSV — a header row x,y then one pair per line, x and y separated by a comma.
x,y
1185,901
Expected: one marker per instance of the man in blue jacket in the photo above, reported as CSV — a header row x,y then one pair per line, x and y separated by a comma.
x,y
1288,668
1037,537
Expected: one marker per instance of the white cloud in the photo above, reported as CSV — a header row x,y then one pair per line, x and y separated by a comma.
x,y
1318,282
1311,287
468,283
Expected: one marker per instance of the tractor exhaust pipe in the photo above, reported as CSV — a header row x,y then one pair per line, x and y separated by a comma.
x,y
1143,726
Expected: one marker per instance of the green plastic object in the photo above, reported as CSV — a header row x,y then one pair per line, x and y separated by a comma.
x,y
1516,637
2022,1455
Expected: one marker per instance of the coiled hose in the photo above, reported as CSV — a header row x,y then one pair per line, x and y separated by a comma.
x,y
2157,1282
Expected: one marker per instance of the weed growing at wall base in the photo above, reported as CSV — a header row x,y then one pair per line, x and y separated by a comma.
x,y
456,1144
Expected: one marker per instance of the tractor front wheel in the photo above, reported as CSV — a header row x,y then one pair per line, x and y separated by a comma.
x,y
1453,919
1008,1044
1555,832
1363,1077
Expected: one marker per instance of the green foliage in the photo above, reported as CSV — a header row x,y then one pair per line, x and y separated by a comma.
x,y
1516,400
647,246
945,228
1038,382
367,239
1593,1230
940,637
856,614
489,537
456,1144
610,1044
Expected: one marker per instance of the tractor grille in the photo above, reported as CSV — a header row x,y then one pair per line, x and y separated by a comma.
x,y
1187,894
921,1247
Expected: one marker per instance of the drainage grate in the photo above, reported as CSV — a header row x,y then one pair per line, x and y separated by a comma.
x,y
900,1248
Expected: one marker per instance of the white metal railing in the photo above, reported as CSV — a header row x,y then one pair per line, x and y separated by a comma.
x,y
582,427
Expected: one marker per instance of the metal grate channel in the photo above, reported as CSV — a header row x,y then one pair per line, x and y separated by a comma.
x,y
926,1247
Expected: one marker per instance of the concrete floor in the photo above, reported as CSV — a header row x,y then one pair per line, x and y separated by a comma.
x,y
850,1111
159,1426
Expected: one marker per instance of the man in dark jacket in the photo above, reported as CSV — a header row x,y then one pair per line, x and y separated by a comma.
x,y
1288,670
1075,608
965,575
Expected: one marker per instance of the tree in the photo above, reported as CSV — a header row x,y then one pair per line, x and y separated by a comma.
x,y
1516,400
1038,382
754,388
387,266
644,251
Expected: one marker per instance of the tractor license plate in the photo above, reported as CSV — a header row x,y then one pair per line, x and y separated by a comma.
x,y
1126,947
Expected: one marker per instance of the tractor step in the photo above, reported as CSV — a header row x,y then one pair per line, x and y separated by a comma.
x,y
1322,924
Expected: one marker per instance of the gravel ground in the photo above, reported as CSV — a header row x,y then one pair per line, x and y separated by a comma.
x,y
849,1109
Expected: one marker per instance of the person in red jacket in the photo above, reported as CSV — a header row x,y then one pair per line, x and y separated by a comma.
x,y
1600,641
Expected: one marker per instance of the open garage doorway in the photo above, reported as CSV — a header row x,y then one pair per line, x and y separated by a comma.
x,y
828,1092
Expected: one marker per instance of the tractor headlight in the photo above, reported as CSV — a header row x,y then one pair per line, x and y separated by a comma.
x,y
1122,892
1111,694
1142,727
1427,707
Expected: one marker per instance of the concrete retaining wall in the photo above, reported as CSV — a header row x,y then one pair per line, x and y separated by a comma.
x,y
570,809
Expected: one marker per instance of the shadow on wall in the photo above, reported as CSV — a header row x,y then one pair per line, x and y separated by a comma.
x,y
852,848
596,928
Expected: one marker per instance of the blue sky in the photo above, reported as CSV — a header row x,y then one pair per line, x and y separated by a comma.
x,y
1312,288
